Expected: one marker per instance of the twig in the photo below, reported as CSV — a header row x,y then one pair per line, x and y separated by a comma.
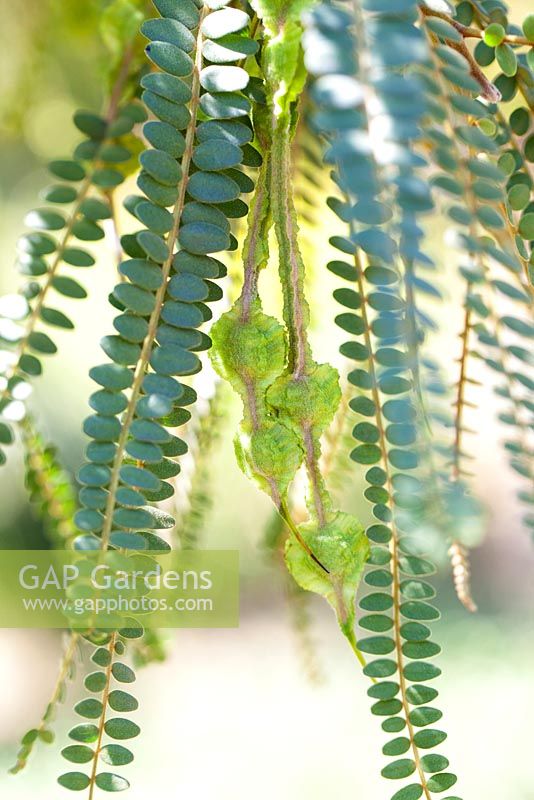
x,y
467,31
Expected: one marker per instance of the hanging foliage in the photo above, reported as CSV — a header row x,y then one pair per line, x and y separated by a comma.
x,y
232,120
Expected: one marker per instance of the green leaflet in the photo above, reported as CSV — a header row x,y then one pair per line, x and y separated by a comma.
x,y
309,402
270,455
343,548
252,350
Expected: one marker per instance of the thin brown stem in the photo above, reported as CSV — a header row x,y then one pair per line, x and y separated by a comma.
x,y
467,181
460,391
333,438
118,86
102,720
488,90
467,31
479,11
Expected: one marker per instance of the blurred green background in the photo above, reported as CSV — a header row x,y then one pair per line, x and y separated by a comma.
x,y
232,714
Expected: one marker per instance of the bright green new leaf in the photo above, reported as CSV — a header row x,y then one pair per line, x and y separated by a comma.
x,y
342,548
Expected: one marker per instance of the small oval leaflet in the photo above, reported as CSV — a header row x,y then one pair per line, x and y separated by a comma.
x,y
118,728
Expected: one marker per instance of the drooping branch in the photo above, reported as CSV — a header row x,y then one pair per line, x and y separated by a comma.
x,y
468,31
93,169
43,731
